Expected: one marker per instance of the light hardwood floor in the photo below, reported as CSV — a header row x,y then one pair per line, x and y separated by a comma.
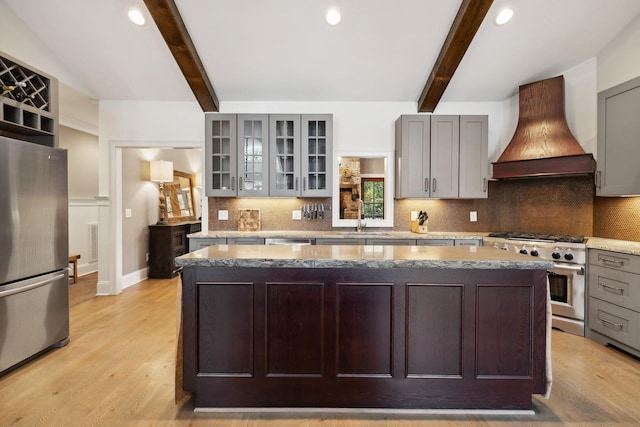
x,y
118,370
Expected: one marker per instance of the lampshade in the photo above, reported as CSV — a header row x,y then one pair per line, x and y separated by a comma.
x,y
161,171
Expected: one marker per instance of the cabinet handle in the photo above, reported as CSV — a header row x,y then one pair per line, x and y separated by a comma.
x,y
484,185
296,185
240,184
304,184
233,183
598,179
611,261
433,185
426,185
612,289
611,324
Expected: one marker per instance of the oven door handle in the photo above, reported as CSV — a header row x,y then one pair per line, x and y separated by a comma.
x,y
577,268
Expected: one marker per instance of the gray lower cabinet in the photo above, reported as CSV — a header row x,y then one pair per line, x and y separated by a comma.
x,y
196,243
468,242
392,242
614,299
618,135
245,240
340,241
441,156
436,242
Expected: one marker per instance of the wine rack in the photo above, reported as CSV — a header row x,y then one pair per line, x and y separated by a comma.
x,y
28,103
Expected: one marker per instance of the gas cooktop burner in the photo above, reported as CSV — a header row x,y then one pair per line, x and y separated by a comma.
x,y
538,237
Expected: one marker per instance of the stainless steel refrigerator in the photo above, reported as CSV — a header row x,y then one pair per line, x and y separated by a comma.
x,y
34,288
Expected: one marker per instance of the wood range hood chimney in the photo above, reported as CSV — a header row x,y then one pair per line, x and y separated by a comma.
x,y
542,144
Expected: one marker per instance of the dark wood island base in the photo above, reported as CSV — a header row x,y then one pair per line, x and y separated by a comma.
x,y
406,338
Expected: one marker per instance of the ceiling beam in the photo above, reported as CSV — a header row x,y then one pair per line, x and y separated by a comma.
x,y
167,17
464,28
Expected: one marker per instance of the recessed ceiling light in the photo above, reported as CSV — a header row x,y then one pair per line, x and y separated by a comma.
x,y
504,16
136,17
333,16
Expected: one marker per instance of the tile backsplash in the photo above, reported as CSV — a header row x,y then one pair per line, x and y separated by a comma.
x,y
563,205
617,218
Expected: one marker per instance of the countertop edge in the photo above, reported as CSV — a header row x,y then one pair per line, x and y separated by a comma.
x,y
330,234
386,264
622,246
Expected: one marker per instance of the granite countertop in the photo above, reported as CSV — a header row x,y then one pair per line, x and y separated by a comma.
x,y
371,234
623,246
374,256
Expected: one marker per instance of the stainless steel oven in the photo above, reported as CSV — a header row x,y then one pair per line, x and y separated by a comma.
x,y
567,277
566,288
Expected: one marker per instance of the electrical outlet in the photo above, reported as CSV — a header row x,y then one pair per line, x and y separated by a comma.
x,y
414,215
473,216
296,214
127,213
147,256
223,215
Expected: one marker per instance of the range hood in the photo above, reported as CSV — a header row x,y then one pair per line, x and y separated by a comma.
x,y
542,144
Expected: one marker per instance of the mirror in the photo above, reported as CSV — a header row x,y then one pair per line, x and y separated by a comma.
x,y
179,197
365,177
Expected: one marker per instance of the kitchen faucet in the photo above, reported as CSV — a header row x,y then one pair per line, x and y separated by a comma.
x,y
360,225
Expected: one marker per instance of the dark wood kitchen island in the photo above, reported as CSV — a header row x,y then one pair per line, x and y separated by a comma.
x,y
403,327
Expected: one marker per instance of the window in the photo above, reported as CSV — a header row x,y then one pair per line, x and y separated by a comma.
x,y
373,197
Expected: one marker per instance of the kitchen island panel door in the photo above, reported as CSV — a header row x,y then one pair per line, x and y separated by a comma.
x,y
294,328
364,338
225,333
504,331
434,330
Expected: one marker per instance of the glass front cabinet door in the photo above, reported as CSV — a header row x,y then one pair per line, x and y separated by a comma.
x,y
253,155
317,152
301,153
285,155
260,155
221,151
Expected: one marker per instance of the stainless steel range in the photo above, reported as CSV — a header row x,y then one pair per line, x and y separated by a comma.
x,y
566,278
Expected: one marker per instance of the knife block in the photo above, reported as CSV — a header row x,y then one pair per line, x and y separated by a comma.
x,y
420,229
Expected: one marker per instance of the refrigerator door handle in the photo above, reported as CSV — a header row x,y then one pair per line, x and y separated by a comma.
x,y
31,285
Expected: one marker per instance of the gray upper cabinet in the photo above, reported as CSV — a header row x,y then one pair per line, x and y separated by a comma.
x,y
445,156
618,134
474,157
253,155
317,155
221,163
301,155
413,136
237,151
284,142
441,156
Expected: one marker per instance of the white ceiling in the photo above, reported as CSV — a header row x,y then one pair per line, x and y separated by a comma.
x,y
282,50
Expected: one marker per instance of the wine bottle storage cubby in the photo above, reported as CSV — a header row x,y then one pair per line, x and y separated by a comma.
x,y
28,102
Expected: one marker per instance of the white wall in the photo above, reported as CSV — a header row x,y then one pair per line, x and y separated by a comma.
x,y
18,41
134,124
619,61
366,126
83,187
141,196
